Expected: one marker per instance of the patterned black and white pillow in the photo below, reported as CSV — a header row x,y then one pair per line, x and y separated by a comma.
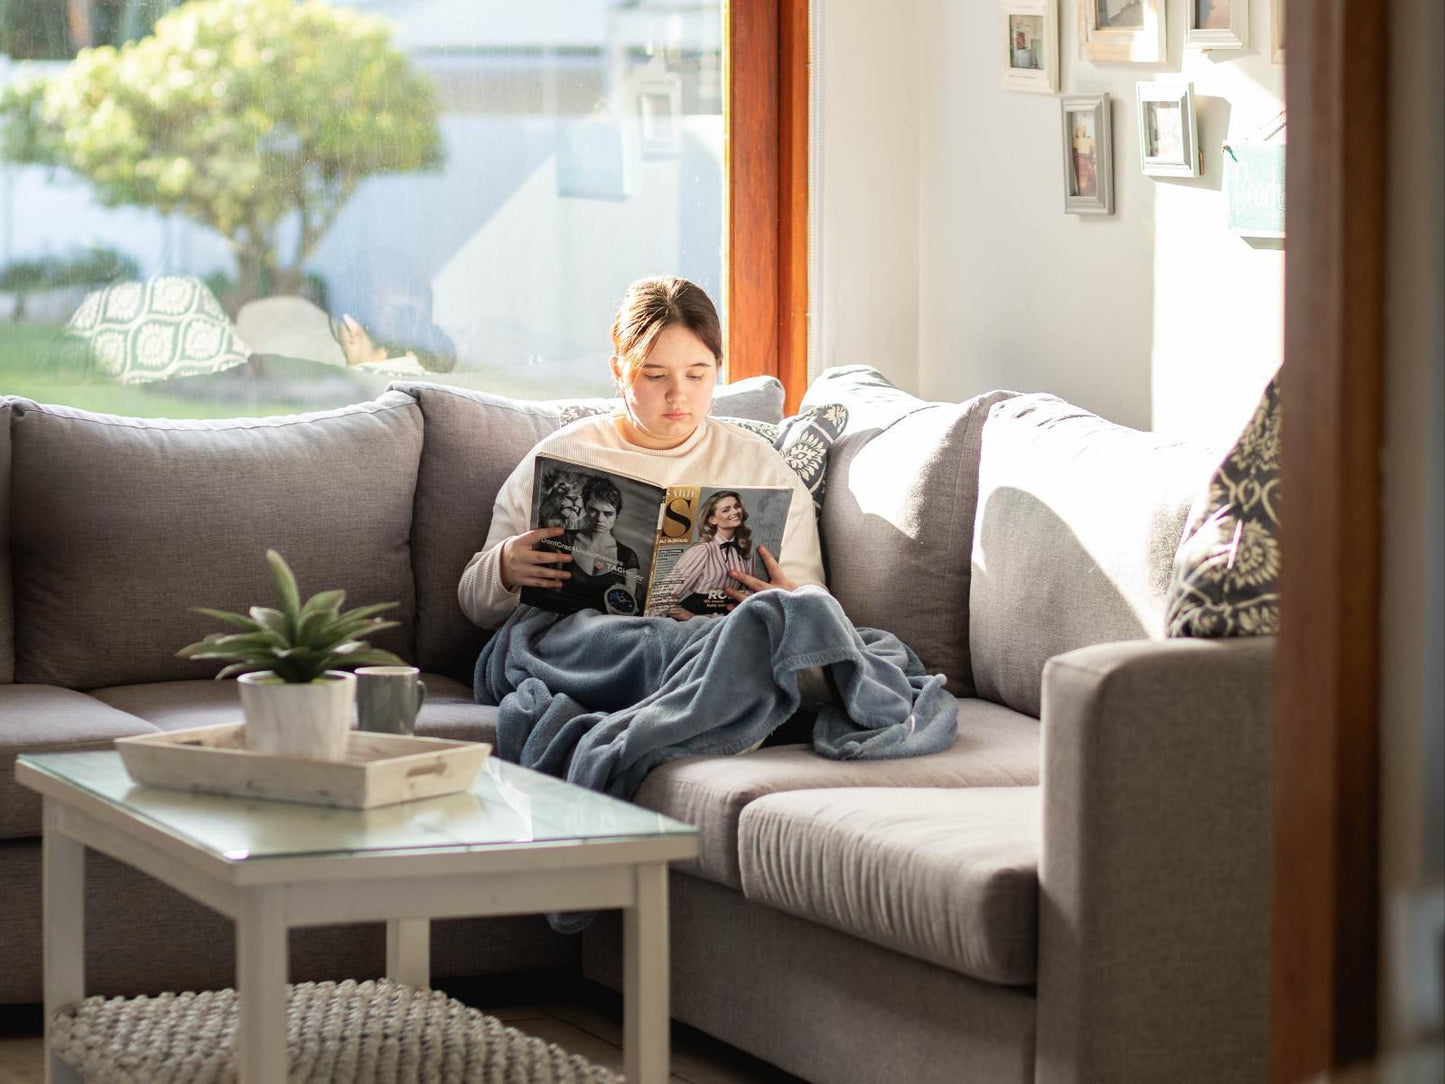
x,y
805,439
767,430
165,327
570,414
1225,580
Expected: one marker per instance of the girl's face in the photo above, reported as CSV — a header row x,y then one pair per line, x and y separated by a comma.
x,y
727,516
671,392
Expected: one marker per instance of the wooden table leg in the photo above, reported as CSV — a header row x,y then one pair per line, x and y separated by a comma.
x,y
63,891
261,973
408,951
645,1014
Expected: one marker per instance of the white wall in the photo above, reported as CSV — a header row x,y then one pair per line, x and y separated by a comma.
x,y
867,302
1155,316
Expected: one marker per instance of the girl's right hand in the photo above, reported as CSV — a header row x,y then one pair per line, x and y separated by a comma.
x,y
523,565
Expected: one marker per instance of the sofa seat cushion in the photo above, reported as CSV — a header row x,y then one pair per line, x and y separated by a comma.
x,y
176,705
47,719
948,876
121,525
996,747
449,711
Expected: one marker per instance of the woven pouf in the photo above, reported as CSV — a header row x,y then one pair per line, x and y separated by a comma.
x,y
359,1032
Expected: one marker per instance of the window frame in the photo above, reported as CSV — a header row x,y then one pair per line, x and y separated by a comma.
x,y
766,77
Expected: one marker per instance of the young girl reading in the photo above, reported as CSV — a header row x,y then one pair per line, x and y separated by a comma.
x,y
601,700
667,350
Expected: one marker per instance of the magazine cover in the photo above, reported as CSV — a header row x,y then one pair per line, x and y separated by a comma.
x,y
640,549
610,523
705,533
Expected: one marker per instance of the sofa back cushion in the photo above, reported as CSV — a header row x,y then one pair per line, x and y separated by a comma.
x,y
897,521
1075,532
473,441
873,401
7,608
121,524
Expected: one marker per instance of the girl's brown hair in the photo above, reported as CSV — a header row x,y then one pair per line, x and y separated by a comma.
x,y
652,305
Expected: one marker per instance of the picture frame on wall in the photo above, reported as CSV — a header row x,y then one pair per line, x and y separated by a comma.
x,y
1088,154
1029,45
1216,24
1168,133
1128,31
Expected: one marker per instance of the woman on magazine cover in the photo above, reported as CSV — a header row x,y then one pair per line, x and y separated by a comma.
x,y
667,351
724,546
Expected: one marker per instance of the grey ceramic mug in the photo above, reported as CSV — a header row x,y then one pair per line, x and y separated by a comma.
x,y
388,698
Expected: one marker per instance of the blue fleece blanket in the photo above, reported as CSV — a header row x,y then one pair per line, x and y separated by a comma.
x,y
601,700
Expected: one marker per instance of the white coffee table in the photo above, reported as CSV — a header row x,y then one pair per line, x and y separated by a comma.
x,y
517,842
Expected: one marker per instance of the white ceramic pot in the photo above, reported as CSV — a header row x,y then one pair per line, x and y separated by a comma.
x,y
310,721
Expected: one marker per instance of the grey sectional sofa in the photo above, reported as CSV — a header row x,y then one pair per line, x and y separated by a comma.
x,y
1077,890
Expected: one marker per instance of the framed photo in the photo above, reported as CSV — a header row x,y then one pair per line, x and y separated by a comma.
x,y
1029,45
659,116
1276,31
1168,141
1088,154
1216,24
1122,30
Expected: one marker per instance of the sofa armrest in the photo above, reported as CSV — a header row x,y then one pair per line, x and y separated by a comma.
x,y
1155,873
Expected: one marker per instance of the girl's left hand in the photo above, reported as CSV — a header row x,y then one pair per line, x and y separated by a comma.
x,y
780,582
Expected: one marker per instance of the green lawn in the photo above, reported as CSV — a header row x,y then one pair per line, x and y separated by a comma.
x,y
36,362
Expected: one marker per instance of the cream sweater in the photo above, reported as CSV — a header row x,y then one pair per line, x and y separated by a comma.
x,y
716,454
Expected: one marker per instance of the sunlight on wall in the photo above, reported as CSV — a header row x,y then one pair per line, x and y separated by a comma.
x,y
1218,297
1154,317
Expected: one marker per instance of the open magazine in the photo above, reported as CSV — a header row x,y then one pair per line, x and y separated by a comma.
x,y
640,548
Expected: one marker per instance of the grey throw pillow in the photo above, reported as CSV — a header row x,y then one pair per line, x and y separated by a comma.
x,y
1226,573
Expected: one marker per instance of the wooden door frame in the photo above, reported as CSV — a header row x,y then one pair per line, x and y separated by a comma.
x,y
766,80
1325,911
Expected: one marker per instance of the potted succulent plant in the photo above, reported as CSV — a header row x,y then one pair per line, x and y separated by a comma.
x,y
293,663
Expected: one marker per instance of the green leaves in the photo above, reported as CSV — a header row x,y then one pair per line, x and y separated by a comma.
x,y
242,114
297,641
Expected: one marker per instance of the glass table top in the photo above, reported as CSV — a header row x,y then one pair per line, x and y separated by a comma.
x,y
507,806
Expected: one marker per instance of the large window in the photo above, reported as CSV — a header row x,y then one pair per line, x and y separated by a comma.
x,y
226,207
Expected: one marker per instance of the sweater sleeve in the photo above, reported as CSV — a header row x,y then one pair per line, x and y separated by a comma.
x,y
482,597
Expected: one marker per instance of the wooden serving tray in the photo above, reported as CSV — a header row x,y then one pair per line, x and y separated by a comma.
x,y
379,769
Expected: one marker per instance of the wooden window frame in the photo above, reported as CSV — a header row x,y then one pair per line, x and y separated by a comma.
x,y
766,81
